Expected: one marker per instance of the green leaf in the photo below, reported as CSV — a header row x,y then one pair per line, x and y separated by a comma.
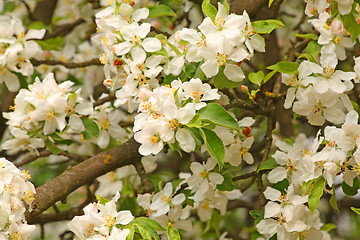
x,y
195,132
175,147
91,128
351,191
216,114
52,147
172,233
176,183
257,77
309,57
308,36
214,146
351,25
226,5
306,186
169,78
145,234
268,76
22,80
132,232
148,221
38,25
316,193
313,48
270,2
282,185
129,203
356,210
9,6
190,70
59,140
102,200
333,202
221,81
285,67
267,26
160,11
258,215
328,227
269,164
209,9
174,48
195,122
51,43
227,184
214,223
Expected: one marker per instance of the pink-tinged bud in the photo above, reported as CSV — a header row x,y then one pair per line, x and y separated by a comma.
x,y
107,82
337,27
357,19
156,24
244,89
144,94
314,11
176,36
331,168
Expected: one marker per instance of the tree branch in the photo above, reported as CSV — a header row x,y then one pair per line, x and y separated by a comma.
x,y
61,186
94,61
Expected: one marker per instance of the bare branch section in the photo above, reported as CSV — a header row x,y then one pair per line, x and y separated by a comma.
x,y
63,30
145,180
74,177
94,61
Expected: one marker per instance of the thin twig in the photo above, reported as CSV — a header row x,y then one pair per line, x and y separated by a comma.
x,y
145,180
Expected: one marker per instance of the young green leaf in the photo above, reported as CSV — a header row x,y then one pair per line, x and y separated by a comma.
x,y
285,67
313,48
356,210
227,184
216,114
209,9
172,233
268,164
160,11
214,146
52,147
351,25
257,77
266,26
351,191
221,81
91,128
316,193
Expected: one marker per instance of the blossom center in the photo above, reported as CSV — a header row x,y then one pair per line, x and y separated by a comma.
x,y
204,174
328,71
165,198
221,59
249,30
105,123
196,94
290,164
173,124
219,23
153,139
110,220
16,236
318,109
50,116
135,39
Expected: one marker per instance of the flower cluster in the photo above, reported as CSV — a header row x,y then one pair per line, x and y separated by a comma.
x,y
17,47
319,89
286,215
41,110
16,194
165,112
102,221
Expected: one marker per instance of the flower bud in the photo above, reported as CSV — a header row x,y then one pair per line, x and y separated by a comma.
x,y
144,94
107,82
331,168
337,27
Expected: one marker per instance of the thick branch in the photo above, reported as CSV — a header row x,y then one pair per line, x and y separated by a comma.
x,y
85,172
94,61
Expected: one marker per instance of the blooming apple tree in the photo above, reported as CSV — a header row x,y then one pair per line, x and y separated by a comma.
x,y
179,119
